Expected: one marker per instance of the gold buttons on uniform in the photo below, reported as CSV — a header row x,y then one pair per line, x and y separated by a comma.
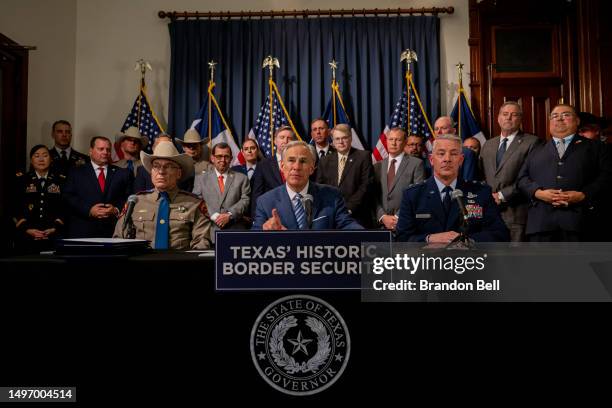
x,y
162,221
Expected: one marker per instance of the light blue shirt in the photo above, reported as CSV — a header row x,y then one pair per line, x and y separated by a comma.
x,y
441,186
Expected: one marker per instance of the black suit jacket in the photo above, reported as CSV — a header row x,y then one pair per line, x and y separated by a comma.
x,y
63,167
267,177
82,191
585,167
357,180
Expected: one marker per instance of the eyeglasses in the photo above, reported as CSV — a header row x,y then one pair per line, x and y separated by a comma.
x,y
223,157
165,168
562,115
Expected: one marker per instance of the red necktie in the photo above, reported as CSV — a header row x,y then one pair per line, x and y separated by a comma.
x,y
101,179
221,184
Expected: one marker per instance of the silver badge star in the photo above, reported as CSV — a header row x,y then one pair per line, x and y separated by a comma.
x,y
299,343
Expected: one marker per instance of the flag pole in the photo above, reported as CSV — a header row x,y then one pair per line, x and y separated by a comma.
x,y
141,65
460,74
334,66
270,62
211,85
409,56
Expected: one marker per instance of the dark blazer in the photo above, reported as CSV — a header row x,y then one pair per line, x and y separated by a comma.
x,y
267,177
36,206
62,167
329,211
422,214
82,191
505,177
585,167
356,182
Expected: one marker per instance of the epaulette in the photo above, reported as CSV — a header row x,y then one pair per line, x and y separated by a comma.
x,y
145,191
482,183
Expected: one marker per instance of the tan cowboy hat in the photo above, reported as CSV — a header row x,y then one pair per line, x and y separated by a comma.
x,y
166,150
191,136
133,133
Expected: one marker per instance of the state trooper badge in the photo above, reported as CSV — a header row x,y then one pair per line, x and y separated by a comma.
x,y
300,345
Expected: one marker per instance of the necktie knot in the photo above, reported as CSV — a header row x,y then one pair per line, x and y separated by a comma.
x,y
162,229
64,155
561,147
446,200
101,178
321,153
164,195
300,212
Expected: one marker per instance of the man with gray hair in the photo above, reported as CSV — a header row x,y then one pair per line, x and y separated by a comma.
x,y
502,158
430,214
351,171
300,203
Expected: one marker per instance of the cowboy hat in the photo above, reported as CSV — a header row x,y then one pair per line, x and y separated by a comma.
x,y
166,150
133,133
191,136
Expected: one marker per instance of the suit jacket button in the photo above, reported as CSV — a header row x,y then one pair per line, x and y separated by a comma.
x,y
559,177
560,163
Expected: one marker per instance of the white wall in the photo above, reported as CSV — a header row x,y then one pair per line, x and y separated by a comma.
x,y
51,27
112,34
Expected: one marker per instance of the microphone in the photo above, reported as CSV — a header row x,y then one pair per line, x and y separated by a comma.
x,y
307,202
132,200
457,195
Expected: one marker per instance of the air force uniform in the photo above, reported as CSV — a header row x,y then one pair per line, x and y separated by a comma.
x,y
422,213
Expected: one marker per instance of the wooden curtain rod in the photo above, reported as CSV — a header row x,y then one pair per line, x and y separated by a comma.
x,y
173,15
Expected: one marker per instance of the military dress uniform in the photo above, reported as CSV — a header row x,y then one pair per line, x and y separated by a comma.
x,y
422,213
61,166
38,206
189,223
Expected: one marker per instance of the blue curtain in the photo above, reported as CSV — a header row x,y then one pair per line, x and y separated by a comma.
x,y
370,74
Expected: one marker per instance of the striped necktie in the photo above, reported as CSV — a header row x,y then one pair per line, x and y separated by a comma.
x,y
300,213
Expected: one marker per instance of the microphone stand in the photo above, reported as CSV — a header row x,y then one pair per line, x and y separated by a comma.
x,y
129,229
462,241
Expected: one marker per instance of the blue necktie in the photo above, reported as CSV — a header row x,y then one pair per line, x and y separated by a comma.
x,y
300,213
130,166
446,201
501,151
162,231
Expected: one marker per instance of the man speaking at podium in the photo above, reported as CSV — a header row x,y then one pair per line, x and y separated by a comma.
x,y
299,203
429,213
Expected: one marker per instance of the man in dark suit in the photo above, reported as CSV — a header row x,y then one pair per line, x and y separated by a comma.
x,y
319,132
268,173
63,156
95,193
285,207
393,175
564,179
502,158
428,214
351,171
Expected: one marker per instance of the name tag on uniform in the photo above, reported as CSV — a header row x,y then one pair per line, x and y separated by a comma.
x,y
423,216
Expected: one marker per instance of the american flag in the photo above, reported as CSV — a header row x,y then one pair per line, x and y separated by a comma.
x,y
399,118
261,130
340,118
143,117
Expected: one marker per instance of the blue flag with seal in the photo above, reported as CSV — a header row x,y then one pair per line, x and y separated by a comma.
x,y
335,114
462,114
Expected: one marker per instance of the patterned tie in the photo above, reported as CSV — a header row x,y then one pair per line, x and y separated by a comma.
x,y
446,201
130,165
561,148
341,168
221,184
391,174
501,151
162,230
300,213
101,179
